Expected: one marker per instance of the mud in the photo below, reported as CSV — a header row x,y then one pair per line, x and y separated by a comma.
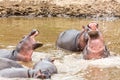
x,y
60,8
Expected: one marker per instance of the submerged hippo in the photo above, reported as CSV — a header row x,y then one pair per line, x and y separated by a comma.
x,y
75,40
46,67
24,49
95,47
43,69
7,63
20,73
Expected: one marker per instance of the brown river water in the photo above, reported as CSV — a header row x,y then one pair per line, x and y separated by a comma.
x,y
70,65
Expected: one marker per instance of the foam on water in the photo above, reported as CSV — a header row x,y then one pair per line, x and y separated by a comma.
x,y
71,66
113,61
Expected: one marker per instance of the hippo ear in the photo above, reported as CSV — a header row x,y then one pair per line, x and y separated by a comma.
x,y
40,59
23,36
97,25
52,60
83,27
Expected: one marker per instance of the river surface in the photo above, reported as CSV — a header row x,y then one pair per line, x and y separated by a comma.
x,y
70,65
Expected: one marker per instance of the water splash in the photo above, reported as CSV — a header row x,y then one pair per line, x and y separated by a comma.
x,y
72,67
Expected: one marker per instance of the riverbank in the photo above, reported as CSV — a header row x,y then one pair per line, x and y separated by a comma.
x,y
60,8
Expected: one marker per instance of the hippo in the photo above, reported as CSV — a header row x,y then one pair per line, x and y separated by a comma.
x,y
24,48
46,66
95,48
20,73
75,40
7,63
43,70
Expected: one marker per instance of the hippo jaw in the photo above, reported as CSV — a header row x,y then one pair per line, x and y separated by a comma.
x,y
32,36
36,45
34,32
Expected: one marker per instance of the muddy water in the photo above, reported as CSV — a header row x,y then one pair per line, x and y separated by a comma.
x,y
70,65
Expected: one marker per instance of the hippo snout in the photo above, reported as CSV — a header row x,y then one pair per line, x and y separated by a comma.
x,y
27,45
43,75
34,32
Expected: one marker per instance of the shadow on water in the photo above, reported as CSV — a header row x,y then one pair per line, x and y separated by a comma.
x,y
70,65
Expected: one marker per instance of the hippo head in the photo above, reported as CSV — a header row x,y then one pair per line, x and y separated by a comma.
x,y
26,46
45,68
95,47
83,39
91,27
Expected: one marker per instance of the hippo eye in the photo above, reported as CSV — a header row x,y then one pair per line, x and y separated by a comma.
x,y
20,41
88,29
97,25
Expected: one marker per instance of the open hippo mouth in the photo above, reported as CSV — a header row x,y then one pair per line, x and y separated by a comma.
x,y
27,45
29,42
93,34
95,48
32,36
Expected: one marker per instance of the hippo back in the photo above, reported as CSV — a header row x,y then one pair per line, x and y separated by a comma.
x,y
68,40
7,63
4,53
14,73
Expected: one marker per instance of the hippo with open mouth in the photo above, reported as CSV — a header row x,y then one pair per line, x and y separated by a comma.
x,y
75,40
95,48
24,49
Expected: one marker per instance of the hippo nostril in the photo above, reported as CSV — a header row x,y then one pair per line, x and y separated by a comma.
x,y
33,32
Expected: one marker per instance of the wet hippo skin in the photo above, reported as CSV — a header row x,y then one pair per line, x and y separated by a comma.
x,y
75,40
43,69
46,66
18,73
7,63
72,40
